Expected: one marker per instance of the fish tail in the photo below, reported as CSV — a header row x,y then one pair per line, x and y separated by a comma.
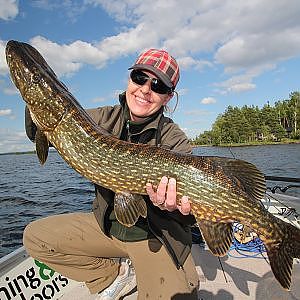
x,y
281,254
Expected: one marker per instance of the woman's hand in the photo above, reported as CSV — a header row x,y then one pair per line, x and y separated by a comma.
x,y
165,196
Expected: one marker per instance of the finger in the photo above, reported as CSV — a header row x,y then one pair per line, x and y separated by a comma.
x,y
170,202
151,193
185,206
161,190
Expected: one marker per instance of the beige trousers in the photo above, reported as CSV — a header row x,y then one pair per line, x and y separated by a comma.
x,y
74,245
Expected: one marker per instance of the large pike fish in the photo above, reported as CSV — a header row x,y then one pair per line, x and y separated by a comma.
x,y
221,190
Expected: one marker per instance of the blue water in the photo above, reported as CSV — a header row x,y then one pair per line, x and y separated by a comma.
x,y
29,191
274,160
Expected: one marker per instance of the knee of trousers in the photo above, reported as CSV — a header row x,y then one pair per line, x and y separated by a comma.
x,y
33,240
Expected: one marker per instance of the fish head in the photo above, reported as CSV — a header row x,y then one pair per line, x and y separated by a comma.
x,y
39,86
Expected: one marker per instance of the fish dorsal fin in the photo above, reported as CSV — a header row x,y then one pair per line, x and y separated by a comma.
x,y
218,236
42,146
129,207
245,174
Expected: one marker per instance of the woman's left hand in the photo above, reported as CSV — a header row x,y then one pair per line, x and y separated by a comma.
x,y
165,196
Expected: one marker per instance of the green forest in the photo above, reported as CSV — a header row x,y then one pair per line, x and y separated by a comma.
x,y
254,125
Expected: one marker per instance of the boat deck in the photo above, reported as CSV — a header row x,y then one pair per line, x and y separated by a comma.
x,y
236,277
227,278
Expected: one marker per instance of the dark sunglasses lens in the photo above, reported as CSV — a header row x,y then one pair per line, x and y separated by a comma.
x,y
157,85
138,77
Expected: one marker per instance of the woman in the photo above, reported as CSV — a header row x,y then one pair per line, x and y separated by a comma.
x,y
81,245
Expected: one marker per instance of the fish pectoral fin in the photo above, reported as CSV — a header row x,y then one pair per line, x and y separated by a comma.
x,y
42,146
218,236
129,207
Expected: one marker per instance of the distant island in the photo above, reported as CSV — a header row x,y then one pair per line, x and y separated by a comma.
x,y
18,153
250,125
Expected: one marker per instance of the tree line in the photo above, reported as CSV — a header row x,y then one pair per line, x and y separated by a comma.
x,y
250,124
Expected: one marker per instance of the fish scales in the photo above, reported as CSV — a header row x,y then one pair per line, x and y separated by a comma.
x,y
220,190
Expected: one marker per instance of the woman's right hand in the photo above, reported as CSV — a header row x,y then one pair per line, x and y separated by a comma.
x,y
165,197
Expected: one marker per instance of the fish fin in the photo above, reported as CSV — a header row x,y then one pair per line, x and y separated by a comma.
x,y
30,127
129,207
281,255
218,236
281,265
42,146
245,174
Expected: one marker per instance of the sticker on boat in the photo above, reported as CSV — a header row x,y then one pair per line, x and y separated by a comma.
x,y
32,280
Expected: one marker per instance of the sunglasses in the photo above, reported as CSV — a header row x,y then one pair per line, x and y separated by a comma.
x,y
157,85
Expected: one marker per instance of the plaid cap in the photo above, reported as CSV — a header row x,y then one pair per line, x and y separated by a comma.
x,y
160,63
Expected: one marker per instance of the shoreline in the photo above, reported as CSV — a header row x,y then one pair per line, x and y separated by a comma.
x,y
289,142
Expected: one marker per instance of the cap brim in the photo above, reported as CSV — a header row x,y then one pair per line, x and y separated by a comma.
x,y
165,79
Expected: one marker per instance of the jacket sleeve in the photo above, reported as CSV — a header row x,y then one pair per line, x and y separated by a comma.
x,y
173,138
96,114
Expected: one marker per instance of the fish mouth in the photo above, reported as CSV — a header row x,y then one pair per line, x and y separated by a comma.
x,y
28,67
12,55
27,55
22,64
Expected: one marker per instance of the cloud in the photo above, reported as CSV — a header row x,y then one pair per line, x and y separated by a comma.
x,y
258,49
242,82
70,9
98,100
208,100
3,64
238,37
247,36
10,90
199,112
14,141
5,112
8,113
188,62
72,57
8,9
242,87
75,55
182,92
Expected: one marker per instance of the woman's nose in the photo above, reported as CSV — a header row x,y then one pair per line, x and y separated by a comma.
x,y
146,87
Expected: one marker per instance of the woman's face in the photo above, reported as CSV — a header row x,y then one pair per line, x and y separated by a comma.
x,y
142,101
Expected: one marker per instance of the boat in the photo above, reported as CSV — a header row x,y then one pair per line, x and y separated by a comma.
x,y
244,273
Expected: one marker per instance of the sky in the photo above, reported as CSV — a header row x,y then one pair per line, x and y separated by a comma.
x,y
230,52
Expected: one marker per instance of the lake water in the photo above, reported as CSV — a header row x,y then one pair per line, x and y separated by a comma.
x,y
29,191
